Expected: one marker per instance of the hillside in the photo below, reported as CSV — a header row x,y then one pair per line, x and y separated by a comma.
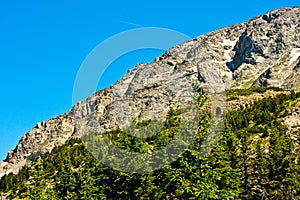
x,y
261,52
246,74
256,157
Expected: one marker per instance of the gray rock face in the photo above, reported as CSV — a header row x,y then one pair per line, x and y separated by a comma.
x,y
244,49
41,139
264,51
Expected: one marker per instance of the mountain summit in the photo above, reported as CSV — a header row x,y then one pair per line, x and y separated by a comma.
x,y
264,51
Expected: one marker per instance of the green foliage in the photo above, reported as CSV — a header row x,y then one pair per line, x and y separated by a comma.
x,y
253,159
231,98
245,92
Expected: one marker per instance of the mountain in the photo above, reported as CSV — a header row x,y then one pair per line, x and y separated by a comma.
x,y
264,51
249,70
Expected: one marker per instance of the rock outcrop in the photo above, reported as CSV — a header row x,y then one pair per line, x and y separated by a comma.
x,y
41,139
264,51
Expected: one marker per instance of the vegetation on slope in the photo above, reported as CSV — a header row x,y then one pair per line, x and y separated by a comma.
x,y
253,159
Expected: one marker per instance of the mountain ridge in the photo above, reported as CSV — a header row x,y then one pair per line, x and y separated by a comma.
x,y
263,51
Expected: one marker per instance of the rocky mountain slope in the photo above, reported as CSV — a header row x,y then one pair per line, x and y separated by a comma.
x,y
256,157
264,51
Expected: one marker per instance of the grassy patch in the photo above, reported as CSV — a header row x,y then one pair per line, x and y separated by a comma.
x,y
249,91
248,84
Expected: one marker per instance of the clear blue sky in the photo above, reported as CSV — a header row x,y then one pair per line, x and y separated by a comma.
x,y
43,43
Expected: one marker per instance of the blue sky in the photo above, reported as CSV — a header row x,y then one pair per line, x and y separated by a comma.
x,y
43,43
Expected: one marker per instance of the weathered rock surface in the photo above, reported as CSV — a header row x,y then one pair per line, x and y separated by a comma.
x,y
292,121
41,139
264,51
